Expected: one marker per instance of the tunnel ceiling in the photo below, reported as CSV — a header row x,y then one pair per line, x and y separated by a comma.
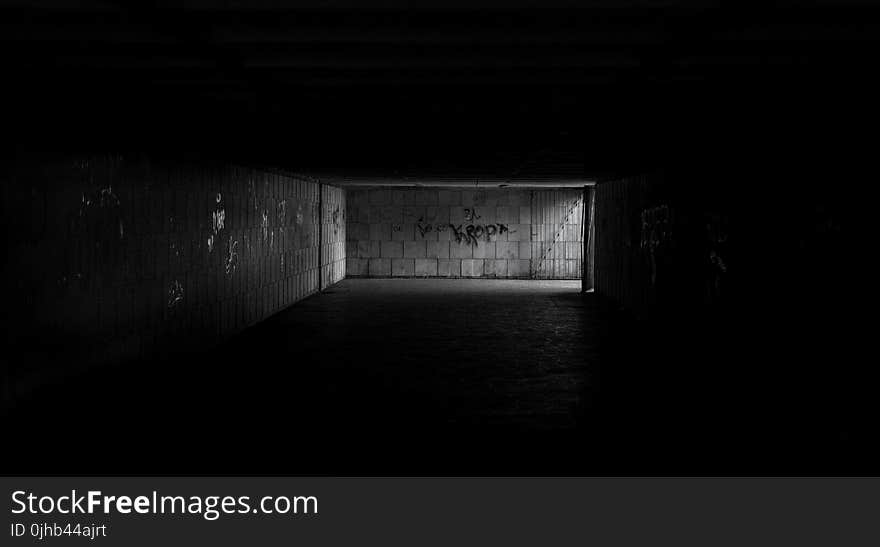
x,y
457,91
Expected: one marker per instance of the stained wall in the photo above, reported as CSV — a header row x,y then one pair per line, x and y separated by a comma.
x,y
112,258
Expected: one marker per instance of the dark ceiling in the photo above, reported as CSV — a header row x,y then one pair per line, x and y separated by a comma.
x,y
518,89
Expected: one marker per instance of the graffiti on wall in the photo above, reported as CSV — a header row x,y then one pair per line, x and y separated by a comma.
x,y
715,255
336,216
100,214
470,234
231,256
656,235
473,233
218,221
282,212
175,294
656,226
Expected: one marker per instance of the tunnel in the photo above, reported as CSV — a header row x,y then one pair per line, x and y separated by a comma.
x,y
465,238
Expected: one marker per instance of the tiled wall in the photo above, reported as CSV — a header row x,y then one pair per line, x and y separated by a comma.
x,y
332,235
450,232
111,258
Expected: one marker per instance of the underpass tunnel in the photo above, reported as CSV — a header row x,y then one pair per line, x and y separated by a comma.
x,y
458,239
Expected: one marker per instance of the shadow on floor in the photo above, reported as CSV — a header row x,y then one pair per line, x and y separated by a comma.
x,y
439,377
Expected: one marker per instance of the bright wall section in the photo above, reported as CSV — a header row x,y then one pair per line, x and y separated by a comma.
x,y
332,235
451,232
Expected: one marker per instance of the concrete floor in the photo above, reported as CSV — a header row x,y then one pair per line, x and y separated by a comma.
x,y
506,353
433,377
